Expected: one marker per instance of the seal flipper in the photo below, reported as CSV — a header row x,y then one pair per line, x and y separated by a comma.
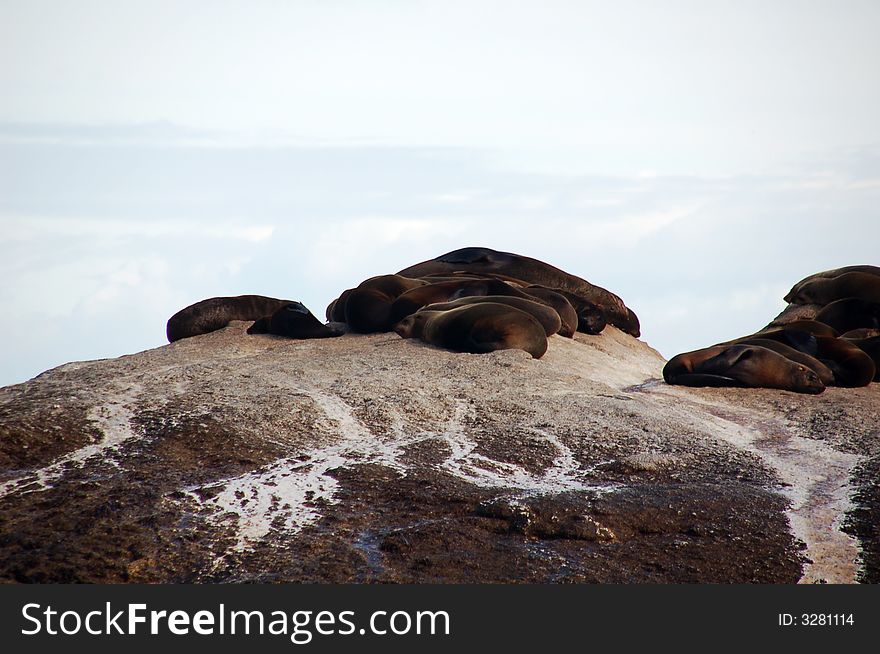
x,y
704,380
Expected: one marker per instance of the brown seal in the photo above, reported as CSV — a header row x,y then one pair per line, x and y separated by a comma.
x,y
533,271
837,272
591,321
293,320
808,326
850,366
871,347
823,371
743,366
825,290
477,328
416,298
216,312
336,309
366,309
851,313
544,314
567,314
591,318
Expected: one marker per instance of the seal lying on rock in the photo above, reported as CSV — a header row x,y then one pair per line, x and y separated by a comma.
x,y
827,274
870,346
533,271
293,320
850,366
590,319
366,308
741,365
477,328
823,371
850,313
825,290
545,315
216,313
413,300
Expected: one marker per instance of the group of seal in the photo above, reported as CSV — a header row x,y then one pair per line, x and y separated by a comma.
x,y
829,336
469,300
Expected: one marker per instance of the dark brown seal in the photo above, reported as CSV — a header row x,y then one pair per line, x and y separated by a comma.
x,y
871,347
825,290
416,298
591,319
216,312
837,272
823,371
850,366
808,326
367,308
477,328
567,314
533,271
850,313
293,320
336,309
544,314
741,365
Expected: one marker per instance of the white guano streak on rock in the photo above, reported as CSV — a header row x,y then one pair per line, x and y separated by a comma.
x,y
113,419
287,494
563,474
817,478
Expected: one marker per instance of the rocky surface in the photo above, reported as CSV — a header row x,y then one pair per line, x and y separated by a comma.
x,y
229,457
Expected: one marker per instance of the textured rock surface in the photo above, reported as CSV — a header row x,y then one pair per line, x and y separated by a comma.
x,y
229,457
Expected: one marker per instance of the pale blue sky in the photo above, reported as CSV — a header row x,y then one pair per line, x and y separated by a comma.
x,y
694,157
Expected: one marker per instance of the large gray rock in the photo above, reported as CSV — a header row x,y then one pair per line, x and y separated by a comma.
x,y
229,457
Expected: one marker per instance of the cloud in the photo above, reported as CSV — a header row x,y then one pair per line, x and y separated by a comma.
x,y
628,230
349,245
37,228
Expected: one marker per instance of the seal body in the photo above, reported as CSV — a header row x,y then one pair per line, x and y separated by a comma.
x,y
367,308
216,313
544,314
416,298
850,313
533,271
741,365
837,272
851,365
871,347
590,319
567,314
825,290
825,374
477,328
808,326
293,320
336,309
